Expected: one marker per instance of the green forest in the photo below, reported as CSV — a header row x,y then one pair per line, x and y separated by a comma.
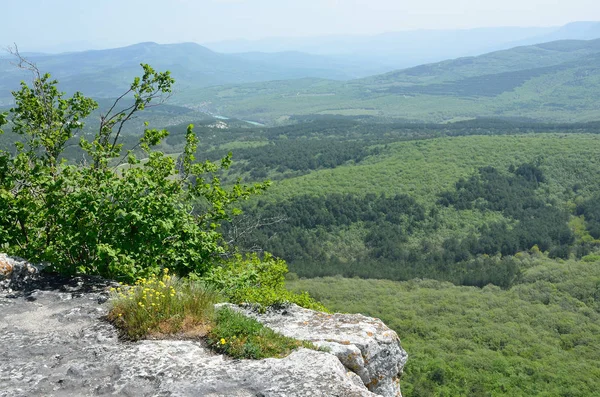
x,y
477,242
539,337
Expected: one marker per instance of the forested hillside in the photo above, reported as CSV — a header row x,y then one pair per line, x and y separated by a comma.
x,y
455,209
540,337
556,81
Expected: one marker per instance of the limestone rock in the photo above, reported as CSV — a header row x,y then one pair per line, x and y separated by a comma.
x,y
363,344
16,272
58,346
53,342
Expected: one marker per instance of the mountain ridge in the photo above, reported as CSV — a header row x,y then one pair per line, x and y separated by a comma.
x,y
106,73
556,81
402,49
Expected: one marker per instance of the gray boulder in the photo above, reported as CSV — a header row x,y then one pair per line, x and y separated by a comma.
x,y
365,345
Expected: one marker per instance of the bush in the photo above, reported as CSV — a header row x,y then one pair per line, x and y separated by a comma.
x,y
591,258
91,219
252,279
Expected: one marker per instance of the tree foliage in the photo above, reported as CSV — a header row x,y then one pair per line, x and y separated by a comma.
x,y
466,341
398,238
590,209
92,218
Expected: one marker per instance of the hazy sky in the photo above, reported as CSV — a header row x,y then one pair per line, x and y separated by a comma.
x,y
49,24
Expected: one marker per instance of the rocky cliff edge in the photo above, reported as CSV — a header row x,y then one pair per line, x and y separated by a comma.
x,y
54,342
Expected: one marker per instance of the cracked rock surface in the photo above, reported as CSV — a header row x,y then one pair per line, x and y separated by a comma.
x,y
365,345
54,342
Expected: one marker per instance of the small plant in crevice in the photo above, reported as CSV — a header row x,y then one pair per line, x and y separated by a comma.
x,y
239,336
162,305
169,307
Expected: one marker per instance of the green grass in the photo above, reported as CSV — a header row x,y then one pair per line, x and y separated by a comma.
x,y
160,306
539,338
169,307
241,337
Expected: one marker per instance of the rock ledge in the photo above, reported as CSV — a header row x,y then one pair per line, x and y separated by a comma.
x,y
365,345
54,343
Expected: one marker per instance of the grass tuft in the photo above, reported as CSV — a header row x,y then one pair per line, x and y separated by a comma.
x,y
160,306
166,306
241,337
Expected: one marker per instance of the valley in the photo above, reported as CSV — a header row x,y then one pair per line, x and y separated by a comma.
x,y
458,200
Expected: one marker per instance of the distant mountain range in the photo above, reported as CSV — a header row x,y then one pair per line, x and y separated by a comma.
x,y
556,81
543,58
105,73
398,50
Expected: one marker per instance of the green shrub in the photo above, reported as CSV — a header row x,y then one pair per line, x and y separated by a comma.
x,y
91,219
241,337
591,258
252,279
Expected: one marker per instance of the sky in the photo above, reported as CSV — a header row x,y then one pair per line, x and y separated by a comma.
x,y
59,25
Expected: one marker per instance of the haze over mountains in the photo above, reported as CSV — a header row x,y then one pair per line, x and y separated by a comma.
x,y
397,50
555,81
104,73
